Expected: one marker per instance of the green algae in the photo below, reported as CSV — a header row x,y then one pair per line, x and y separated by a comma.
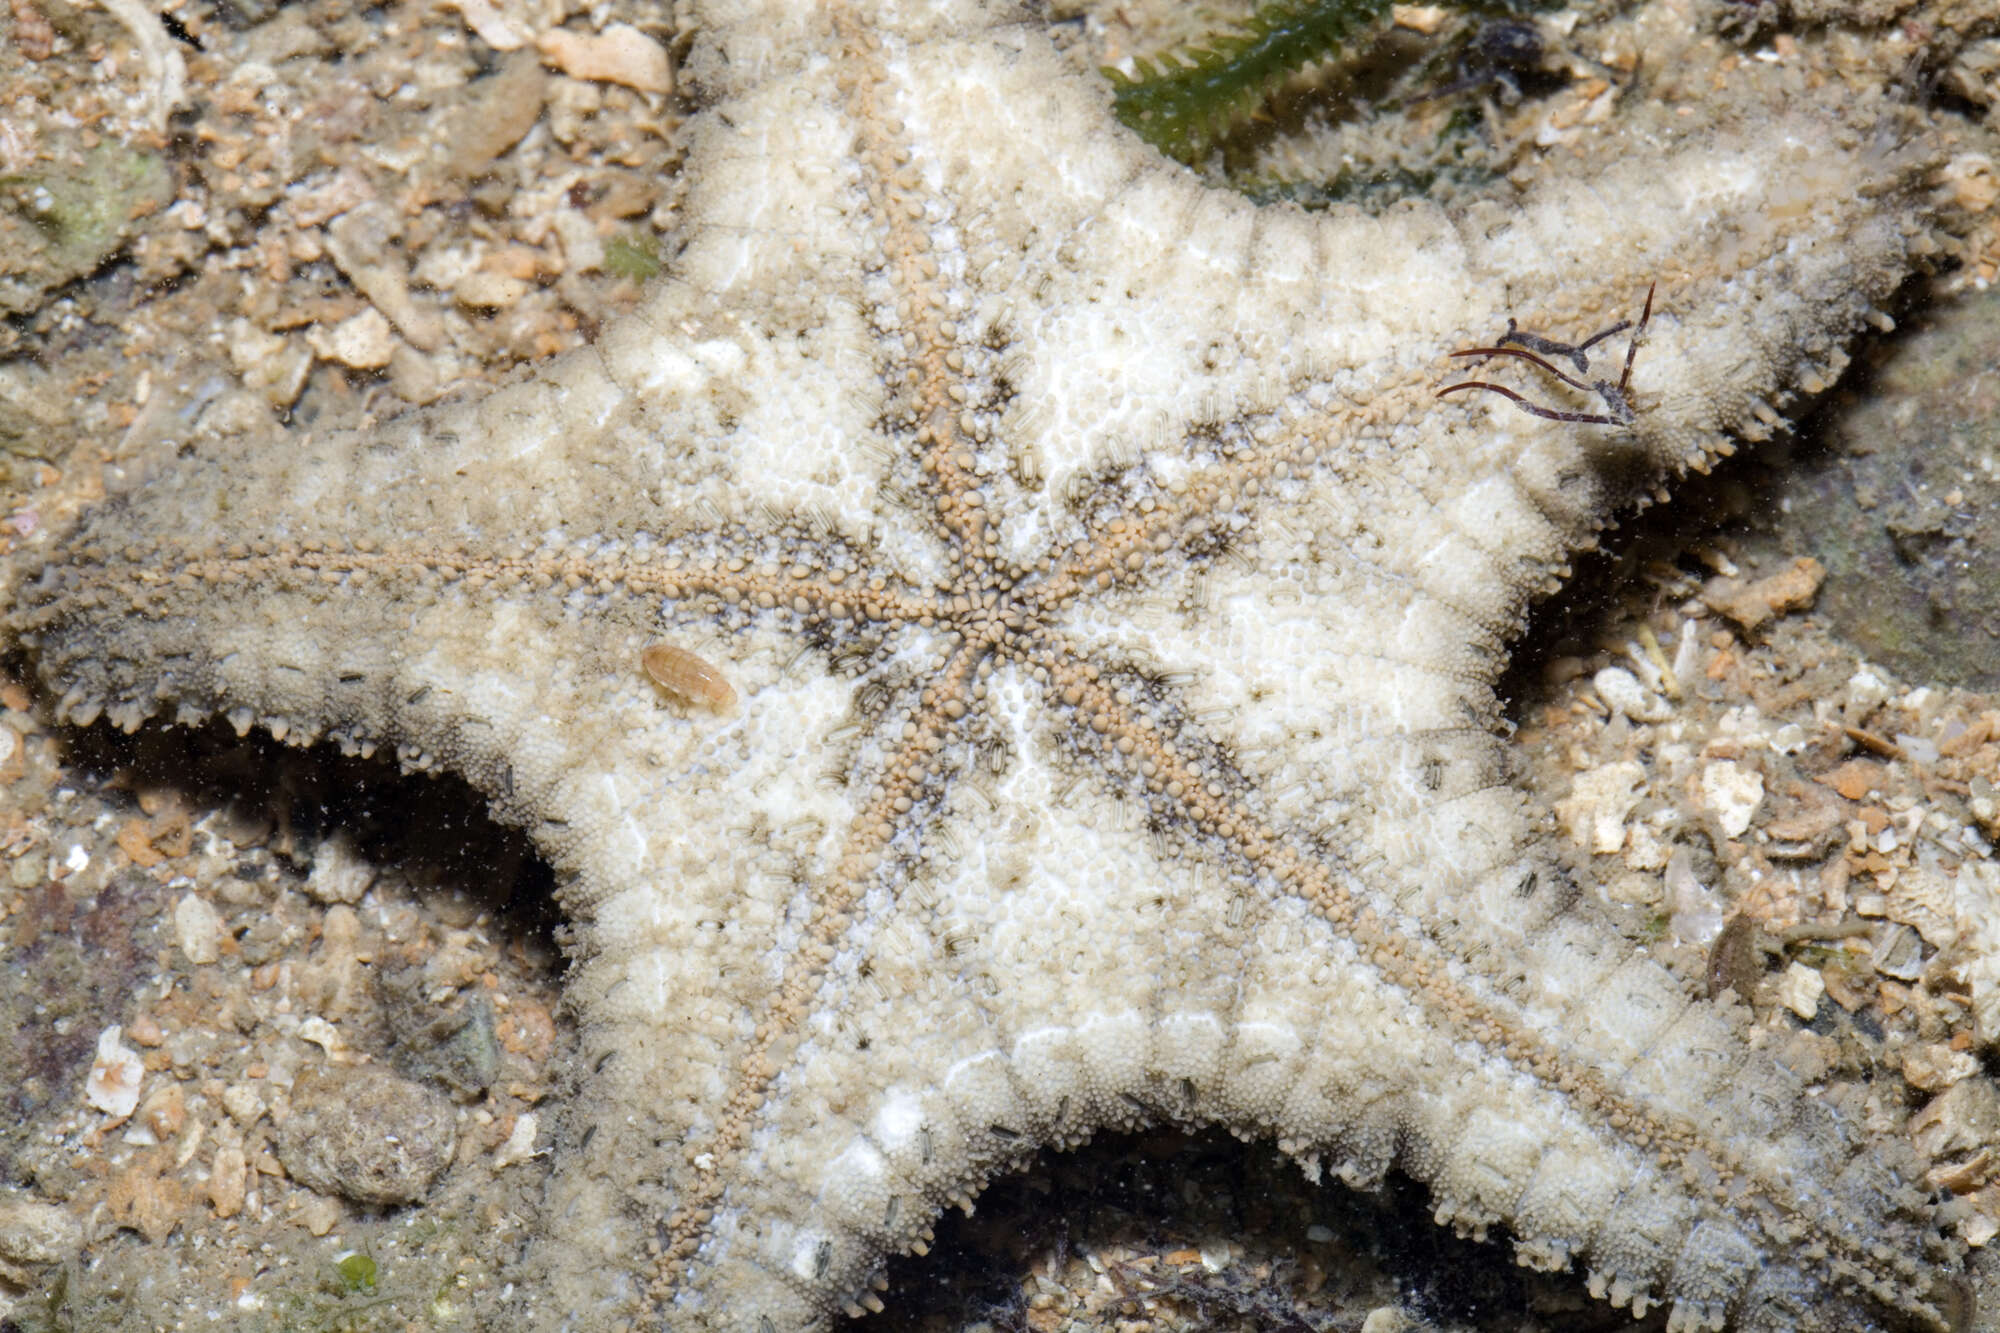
x,y
59,223
1185,102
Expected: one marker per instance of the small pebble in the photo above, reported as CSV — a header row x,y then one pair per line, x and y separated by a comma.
x,y
1799,989
269,363
1751,605
321,1034
30,870
165,1112
1696,912
1386,1319
493,27
1865,689
362,342
420,379
583,248
520,1142
488,291
619,54
360,242
197,929
1899,954
1935,1066
498,112
244,1103
1425,19
227,1181
320,1216
1732,794
1600,799
113,1083
1621,692
1687,654
339,874
1917,749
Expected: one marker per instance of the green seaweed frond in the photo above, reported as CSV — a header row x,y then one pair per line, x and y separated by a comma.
x,y
1185,103
357,1270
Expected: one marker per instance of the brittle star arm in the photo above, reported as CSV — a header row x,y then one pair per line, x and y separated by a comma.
x,y
1523,355
1547,413
1534,342
1632,347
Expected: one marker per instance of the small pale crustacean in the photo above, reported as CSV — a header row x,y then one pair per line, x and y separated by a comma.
x,y
687,676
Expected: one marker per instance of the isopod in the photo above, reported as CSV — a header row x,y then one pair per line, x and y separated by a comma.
x,y
687,676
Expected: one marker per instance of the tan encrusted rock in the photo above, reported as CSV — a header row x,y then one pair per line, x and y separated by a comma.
x,y
1752,604
367,1134
146,1196
34,1233
1957,1128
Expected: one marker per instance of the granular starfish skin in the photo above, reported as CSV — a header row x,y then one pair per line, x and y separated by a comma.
x,y
1001,645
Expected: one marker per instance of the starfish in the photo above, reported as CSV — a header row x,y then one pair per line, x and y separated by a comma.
x,y
1001,646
